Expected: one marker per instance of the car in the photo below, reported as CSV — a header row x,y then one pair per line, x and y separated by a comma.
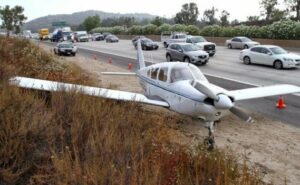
x,y
202,43
105,34
111,38
136,38
65,48
270,55
97,37
172,37
186,52
81,36
241,43
147,44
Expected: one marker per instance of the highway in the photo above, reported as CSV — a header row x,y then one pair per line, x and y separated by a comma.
x,y
224,69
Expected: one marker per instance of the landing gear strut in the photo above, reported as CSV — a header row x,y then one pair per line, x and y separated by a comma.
x,y
210,140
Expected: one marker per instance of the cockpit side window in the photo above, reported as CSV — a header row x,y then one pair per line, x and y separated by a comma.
x,y
154,73
178,74
163,74
149,73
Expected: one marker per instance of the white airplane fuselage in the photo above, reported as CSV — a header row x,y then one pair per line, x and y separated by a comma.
x,y
181,96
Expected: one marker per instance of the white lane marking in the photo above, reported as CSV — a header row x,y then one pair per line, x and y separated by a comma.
x,y
225,78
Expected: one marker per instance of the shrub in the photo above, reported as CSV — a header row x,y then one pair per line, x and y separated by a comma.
x,y
149,29
114,30
192,30
135,30
178,28
163,28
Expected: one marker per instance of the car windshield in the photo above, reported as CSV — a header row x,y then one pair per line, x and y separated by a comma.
x,y
65,46
188,48
198,39
111,37
147,40
82,35
66,33
246,39
278,50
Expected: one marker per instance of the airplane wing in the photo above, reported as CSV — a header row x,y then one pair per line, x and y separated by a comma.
x,y
260,92
47,85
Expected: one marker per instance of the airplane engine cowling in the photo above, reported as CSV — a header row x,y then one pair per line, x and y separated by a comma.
x,y
223,102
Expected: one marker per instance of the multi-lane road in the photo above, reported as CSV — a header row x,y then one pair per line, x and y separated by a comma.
x,y
225,63
223,69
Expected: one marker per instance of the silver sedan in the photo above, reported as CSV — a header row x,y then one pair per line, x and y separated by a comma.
x,y
240,42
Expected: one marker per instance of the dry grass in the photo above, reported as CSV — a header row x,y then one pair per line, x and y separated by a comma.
x,y
76,139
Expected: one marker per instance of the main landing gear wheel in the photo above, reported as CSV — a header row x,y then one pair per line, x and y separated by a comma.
x,y
209,141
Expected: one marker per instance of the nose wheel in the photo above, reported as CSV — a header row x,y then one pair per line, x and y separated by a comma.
x,y
209,141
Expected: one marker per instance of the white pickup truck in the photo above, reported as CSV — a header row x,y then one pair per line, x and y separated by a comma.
x,y
172,37
202,44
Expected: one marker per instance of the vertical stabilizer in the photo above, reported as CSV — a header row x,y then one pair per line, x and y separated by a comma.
x,y
140,55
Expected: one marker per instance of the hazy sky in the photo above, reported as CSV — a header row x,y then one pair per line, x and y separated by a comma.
x,y
238,9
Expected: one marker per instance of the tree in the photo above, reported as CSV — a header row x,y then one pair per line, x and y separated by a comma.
x,y
235,22
278,14
188,14
224,18
12,18
253,18
158,21
269,7
209,16
294,6
91,22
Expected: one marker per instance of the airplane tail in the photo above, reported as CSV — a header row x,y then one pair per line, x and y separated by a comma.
x,y
140,55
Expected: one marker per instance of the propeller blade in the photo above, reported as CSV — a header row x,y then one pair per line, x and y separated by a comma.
x,y
241,114
205,90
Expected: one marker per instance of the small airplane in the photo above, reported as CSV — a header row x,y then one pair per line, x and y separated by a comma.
x,y
180,87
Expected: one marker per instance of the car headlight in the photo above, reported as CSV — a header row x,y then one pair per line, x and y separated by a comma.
x,y
288,59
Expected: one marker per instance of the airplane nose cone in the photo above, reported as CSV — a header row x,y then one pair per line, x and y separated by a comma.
x,y
224,102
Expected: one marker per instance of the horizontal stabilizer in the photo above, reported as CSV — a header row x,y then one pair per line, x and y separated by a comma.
x,y
46,85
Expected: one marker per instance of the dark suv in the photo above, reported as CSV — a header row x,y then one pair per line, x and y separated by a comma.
x,y
147,44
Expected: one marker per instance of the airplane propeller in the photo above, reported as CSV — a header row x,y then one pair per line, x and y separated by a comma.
x,y
241,114
221,101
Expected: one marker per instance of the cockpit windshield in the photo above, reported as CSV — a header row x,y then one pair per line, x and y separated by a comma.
x,y
198,75
189,72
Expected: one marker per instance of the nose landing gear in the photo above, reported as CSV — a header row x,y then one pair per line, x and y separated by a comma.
x,y
209,141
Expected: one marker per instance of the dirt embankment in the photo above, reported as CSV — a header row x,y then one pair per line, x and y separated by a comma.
x,y
270,145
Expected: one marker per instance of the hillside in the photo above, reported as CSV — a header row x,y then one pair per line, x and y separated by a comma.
x,y
77,18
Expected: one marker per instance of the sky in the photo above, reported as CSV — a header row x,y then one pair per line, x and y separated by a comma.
x,y
238,9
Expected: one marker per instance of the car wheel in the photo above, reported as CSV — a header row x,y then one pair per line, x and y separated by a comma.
x,y
229,46
247,60
165,45
278,64
246,47
211,55
169,58
187,60
74,54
